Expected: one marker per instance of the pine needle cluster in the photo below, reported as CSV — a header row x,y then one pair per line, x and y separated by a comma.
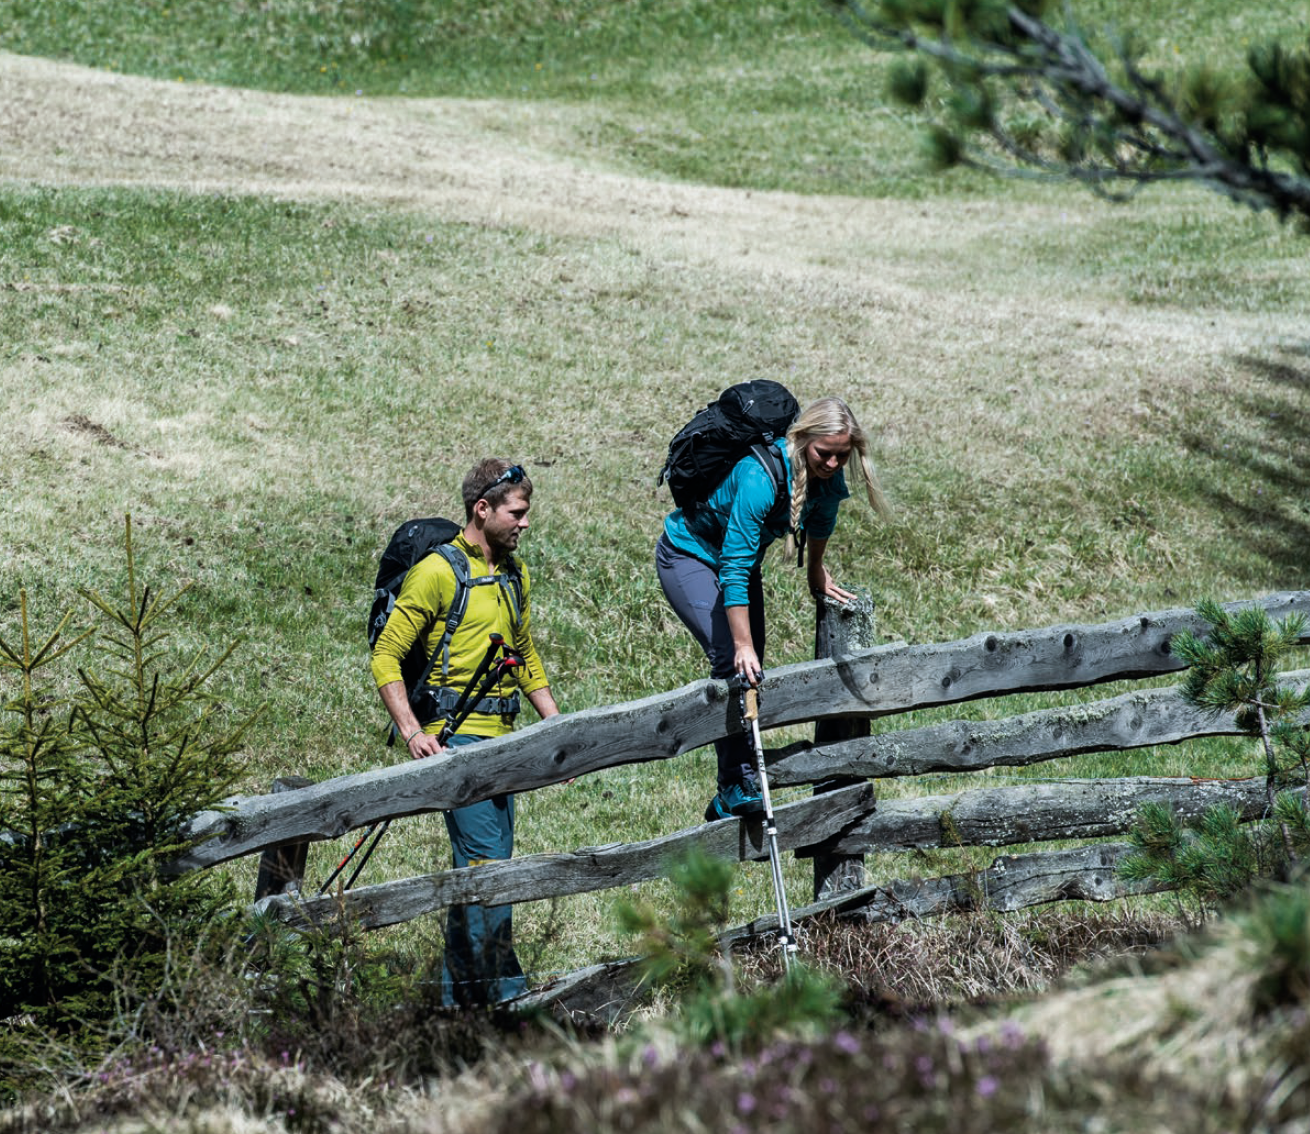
x,y
1236,668
1018,88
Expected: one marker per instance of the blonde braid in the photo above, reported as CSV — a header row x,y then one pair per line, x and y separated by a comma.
x,y
800,488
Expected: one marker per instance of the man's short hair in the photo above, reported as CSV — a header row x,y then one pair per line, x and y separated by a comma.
x,y
487,481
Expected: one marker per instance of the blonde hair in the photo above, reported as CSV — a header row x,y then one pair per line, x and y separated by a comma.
x,y
828,417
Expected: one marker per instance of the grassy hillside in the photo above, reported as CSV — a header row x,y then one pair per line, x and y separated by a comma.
x,y
1081,410
773,95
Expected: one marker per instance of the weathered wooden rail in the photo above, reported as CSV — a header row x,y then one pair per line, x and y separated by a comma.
x,y
843,822
835,827
870,683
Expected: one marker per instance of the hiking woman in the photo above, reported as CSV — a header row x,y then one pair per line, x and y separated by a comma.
x,y
709,562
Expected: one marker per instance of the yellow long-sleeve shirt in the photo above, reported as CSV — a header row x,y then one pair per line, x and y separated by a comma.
x,y
420,616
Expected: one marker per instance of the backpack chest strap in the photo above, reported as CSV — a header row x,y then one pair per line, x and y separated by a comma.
x,y
511,580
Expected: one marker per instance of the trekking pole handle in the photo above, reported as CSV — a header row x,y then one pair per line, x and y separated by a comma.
x,y
489,673
751,704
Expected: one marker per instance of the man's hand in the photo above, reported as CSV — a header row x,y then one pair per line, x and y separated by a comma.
x,y
420,744
423,744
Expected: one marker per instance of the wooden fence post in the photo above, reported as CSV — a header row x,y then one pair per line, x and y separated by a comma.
x,y
282,869
839,629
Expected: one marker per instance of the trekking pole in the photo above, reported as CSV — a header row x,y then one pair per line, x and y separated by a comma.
x,y
453,721
461,709
750,713
454,718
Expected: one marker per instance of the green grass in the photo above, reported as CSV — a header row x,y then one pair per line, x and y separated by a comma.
x,y
766,96
270,386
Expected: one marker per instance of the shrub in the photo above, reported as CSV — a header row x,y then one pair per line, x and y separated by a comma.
x,y
101,767
1235,669
681,954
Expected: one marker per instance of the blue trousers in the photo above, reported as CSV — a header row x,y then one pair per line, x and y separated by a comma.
x,y
693,591
480,966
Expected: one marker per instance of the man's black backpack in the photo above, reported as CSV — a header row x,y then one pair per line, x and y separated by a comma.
x,y
412,541
746,418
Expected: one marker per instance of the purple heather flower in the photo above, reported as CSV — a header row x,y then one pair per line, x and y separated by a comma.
x,y
844,1041
1012,1034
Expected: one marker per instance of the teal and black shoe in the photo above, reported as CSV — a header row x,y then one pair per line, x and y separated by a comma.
x,y
735,800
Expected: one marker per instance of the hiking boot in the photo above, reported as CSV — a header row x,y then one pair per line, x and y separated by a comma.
x,y
735,800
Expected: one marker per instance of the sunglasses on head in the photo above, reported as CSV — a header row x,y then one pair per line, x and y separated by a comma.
x,y
512,475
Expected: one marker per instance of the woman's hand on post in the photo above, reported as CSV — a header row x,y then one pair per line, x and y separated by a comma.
x,y
821,584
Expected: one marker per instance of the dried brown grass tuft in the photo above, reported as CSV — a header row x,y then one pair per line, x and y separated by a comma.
x,y
932,965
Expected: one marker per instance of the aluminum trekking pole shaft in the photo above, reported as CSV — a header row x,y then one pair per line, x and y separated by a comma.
x,y
786,938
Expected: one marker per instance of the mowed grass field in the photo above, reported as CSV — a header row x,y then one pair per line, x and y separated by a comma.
x,y
272,277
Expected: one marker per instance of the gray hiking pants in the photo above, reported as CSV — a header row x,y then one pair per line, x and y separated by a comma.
x,y
693,591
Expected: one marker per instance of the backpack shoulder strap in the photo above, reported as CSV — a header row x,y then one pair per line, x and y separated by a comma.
x,y
513,583
779,515
459,565
464,581
771,461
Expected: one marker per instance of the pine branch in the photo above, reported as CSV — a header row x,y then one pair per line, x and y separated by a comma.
x,y
1127,128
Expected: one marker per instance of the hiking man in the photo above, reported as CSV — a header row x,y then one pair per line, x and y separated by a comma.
x,y
480,966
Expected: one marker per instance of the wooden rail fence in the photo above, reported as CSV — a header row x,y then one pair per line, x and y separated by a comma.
x,y
840,822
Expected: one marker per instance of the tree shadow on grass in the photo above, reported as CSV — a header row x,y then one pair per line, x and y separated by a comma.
x,y
1272,510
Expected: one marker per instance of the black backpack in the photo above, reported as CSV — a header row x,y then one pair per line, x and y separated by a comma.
x,y
411,542
746,418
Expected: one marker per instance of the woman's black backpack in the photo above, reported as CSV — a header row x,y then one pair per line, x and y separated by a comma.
x,y
704,450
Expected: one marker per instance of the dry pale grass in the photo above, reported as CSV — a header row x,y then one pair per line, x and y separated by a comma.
x,y
928,966
921,312
1193,1024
